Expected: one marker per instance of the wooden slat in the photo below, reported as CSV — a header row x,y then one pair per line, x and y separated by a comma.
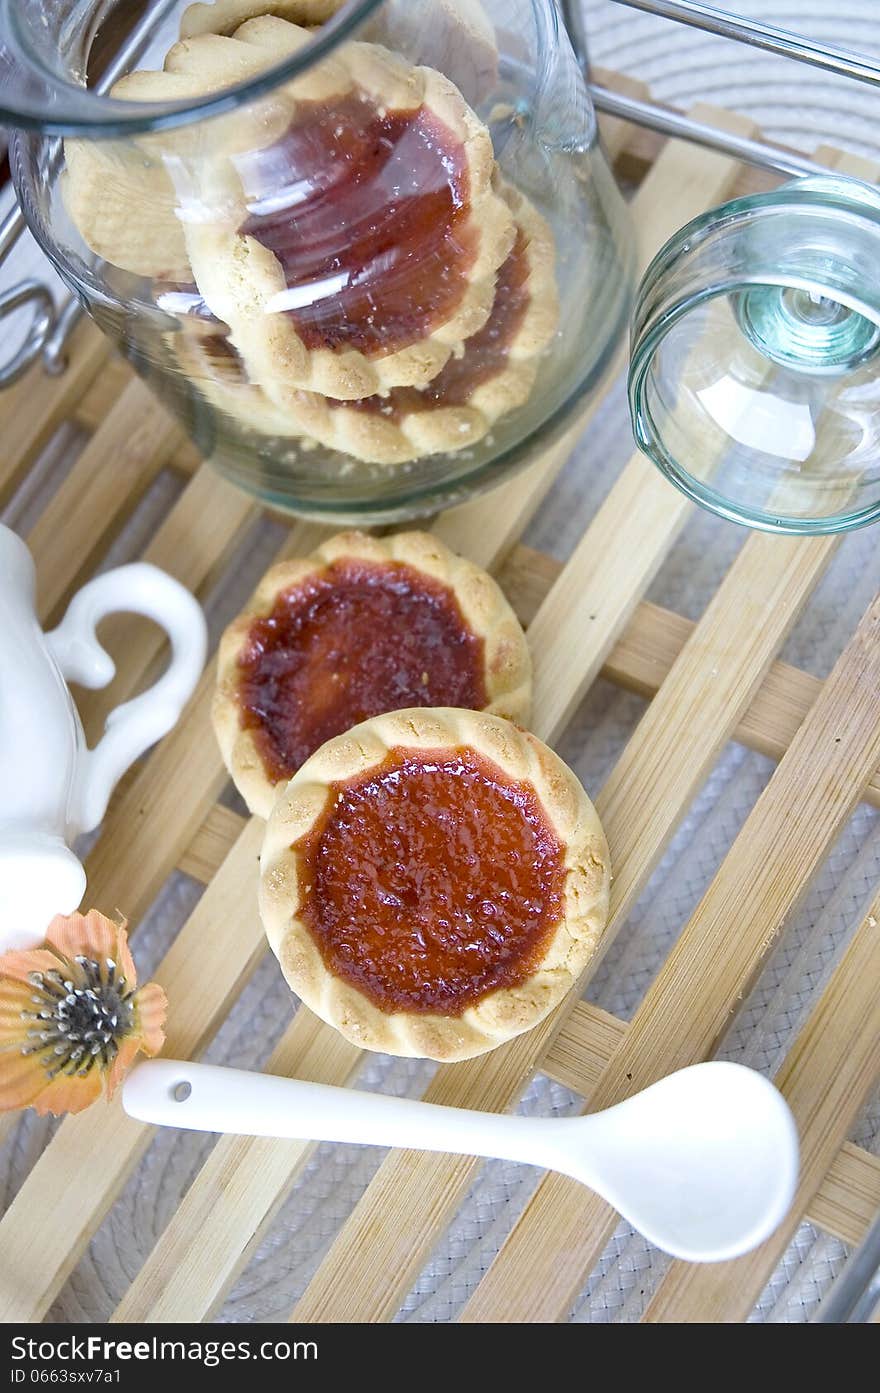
x,y
639,661
599,588
689,1005
210,846
495,534
849,1199
309,1047
652,640
32,410
844,1205
827,1077
173,791
387,1239
245,1180
98,400
188,460
78,1176
124,454
190,545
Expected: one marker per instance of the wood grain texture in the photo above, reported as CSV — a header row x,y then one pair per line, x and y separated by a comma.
x,y
827,1076
174,790
640,661
90,1157
190,545
598,590
690,1003
100,396
205,1246
122,457
212,841
227,1209
33,409
849,1198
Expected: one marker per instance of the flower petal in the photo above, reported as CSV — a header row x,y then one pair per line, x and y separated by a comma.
x,y
15,997
124,960
90,935
22,1079
151,1008
18,965
128,1051
66,1093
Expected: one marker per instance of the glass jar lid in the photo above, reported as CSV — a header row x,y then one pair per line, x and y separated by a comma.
x,y
754,378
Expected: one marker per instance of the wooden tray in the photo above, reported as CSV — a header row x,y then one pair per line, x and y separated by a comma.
x,y
708,683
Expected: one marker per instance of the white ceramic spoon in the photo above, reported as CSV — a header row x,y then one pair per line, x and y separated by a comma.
x,y
704,1163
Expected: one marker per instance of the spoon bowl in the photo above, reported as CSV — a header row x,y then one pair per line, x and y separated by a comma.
x,y
704,1163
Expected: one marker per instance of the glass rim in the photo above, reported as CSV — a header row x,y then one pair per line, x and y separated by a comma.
x,y
727,216
94,113
656,315
759,519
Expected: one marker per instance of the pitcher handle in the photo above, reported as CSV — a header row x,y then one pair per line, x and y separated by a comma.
x,y
133,727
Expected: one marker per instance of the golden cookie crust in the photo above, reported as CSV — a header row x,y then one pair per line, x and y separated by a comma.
x,y
122,195
241,279
501,1014
432,428
123,204
169,204
377,437
224,16
507,662
220,378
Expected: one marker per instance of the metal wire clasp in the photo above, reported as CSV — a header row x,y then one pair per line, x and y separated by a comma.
x,y
35,294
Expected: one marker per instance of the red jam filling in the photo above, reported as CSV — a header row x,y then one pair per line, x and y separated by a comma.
x,y
431,881
366,211
353,642
485,354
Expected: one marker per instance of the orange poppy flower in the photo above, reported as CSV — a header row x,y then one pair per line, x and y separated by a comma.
x,y
72,1017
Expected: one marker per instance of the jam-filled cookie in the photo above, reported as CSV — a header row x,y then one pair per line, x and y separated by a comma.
x,y
224,16
385,262
209,360
459,38
434,882
346,228
495,373
364,625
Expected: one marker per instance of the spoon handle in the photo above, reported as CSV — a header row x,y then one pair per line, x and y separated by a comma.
x,y
208,1098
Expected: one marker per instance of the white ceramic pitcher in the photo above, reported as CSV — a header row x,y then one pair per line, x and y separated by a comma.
x,y
52,787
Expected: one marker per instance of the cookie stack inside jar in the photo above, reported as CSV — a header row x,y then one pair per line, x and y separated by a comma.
x,y
342,260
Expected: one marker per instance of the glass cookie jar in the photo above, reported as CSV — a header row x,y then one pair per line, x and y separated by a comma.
x,y
369,253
